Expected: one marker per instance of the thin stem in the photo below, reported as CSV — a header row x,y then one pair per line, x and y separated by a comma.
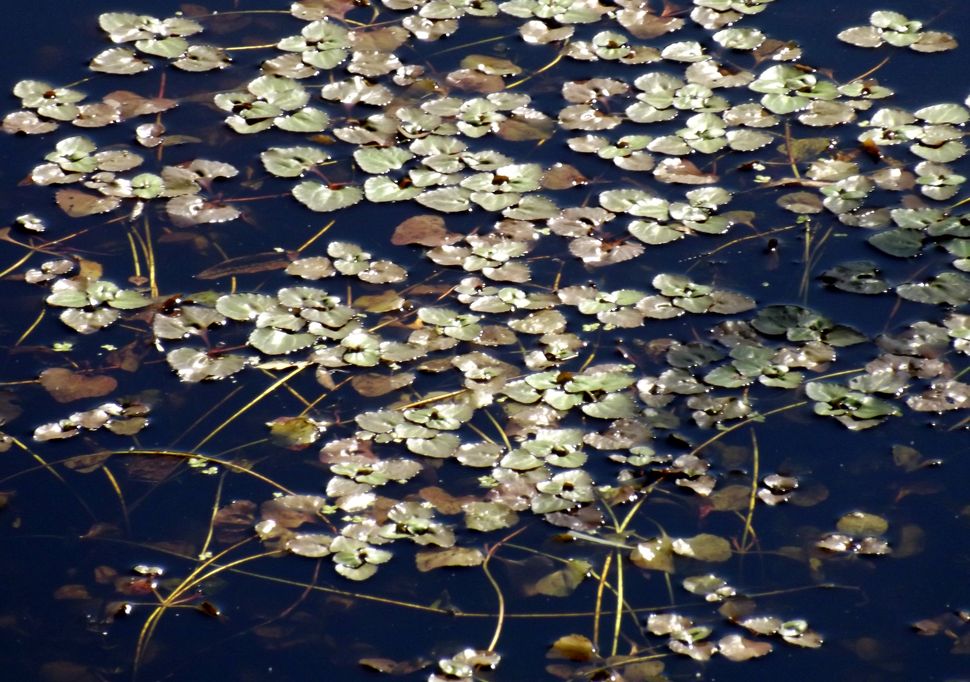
x,y
753,497
618,620
276,384
598,604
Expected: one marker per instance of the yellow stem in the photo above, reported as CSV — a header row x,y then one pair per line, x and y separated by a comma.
x,y
212,519
598,605
276,384
121,498
31,328
240,48
618,620
753,497
500,618
319,234
742,424
556,60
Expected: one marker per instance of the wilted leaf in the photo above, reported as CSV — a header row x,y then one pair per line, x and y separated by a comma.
x,y
65,385
562,176
426,230
373,385
563,582
78,204
862,523
454,556
386,665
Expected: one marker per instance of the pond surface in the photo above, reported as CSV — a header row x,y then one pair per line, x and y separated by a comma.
x,y
483,381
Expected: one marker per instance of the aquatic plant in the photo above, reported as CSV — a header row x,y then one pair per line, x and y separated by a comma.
x,y
522,335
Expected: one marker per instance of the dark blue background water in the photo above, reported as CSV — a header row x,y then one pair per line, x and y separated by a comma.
x,y
47,538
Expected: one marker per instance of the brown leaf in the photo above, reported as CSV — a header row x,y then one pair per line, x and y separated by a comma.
x,y
85,464
862,523
583,519
89,269
703,547
28,123
380,303
562,176
475,81
65,671
520,129
72,591
730,498
133,104
934,626
373,385
311,10
152,468
294,433
234,521
563,582
426,230
245,265
77,204
209,609
738,648
105,575
573,647
443,501
386,39
9,409
805,148
455,556
65,385
392,667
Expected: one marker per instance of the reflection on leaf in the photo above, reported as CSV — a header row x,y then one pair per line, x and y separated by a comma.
x,y
483,349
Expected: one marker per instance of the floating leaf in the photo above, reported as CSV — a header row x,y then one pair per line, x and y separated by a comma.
x,y
738,648
563,582
373,385
447,558
66,386
78,204
279,342
861,523
656,555
323,198
573,648
703,547
291,162
487,516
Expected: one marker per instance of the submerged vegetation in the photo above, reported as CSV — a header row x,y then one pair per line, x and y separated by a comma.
x,y
505,293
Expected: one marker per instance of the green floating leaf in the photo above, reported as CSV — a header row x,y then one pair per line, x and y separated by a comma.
x,y
291,162
319,197
902,243
952,288
279,342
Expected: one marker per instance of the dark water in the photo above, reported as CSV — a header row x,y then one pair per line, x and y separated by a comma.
x,y
67,541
